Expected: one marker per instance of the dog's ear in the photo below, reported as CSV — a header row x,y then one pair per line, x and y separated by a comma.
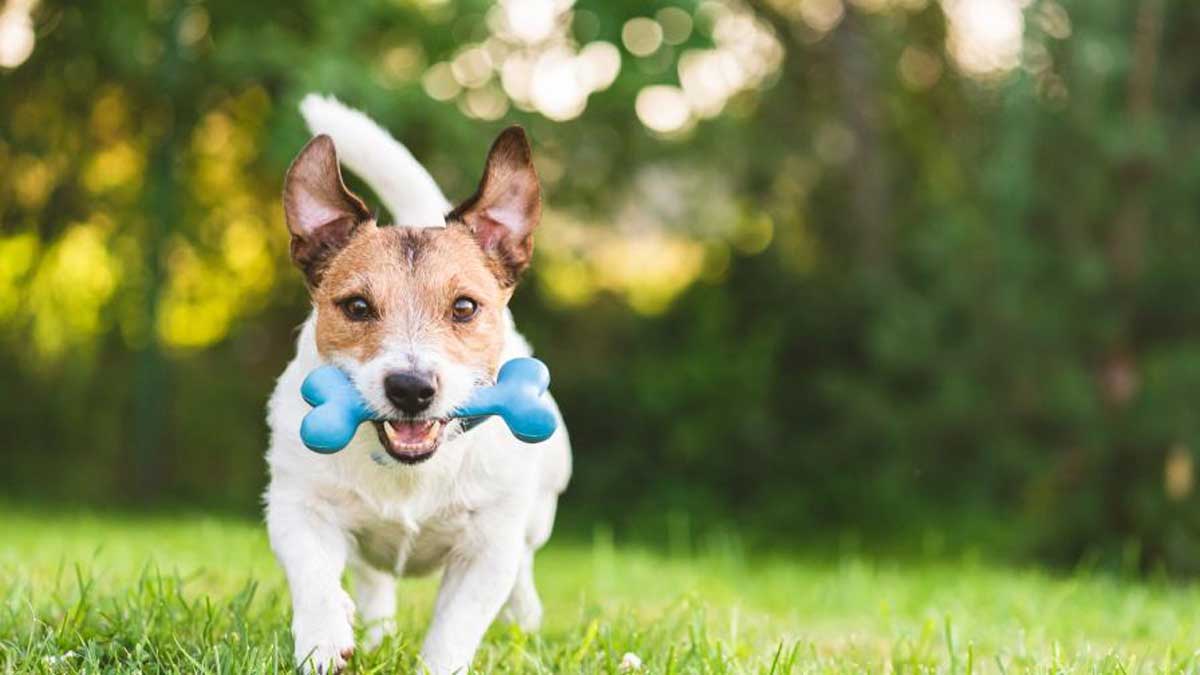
x,y
321,212
506,207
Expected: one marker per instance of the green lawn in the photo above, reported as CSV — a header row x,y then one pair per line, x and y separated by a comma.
x,y
195,594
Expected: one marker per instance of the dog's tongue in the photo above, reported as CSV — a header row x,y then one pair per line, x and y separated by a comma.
x,y
411,433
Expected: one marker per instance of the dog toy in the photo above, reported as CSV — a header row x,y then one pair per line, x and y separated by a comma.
x,y
517,398
338,410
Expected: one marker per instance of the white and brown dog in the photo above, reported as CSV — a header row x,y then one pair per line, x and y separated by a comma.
x,y
416,313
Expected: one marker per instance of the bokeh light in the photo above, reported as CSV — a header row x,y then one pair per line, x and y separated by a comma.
x,y
642,36
663,108
985,36
822,15
17,36
539,66
439,82
919,68
557,91
676,25
532,21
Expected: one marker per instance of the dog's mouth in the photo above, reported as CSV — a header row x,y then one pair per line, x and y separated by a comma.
x,y
410,441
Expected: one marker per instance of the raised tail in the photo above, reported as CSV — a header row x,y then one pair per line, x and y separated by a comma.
x,y
406,188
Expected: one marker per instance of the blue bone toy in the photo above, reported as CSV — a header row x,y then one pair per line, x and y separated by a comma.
x,y
517,397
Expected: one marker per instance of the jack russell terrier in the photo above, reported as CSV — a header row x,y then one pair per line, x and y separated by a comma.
x,y
416,315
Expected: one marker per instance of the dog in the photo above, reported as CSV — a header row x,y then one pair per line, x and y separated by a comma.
x,y
416,314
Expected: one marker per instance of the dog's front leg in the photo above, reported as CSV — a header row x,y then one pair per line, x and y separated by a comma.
x,y
312,552
477,580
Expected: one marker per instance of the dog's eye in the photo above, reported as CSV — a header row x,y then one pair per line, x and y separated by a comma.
x,y
464,309
357,308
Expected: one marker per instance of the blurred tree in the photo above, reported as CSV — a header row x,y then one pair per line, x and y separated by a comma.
x,y
874,265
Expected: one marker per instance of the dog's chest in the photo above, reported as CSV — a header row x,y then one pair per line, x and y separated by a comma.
x,y
410,547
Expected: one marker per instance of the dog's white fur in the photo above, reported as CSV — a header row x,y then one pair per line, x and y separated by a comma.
x,y
478,509
405,187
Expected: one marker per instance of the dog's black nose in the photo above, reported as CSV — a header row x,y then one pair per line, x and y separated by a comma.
x,y
410,392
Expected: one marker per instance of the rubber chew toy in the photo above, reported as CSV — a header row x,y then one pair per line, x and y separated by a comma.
x,y
337,411
517,398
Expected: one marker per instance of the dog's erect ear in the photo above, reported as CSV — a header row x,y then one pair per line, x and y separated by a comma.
x,y
321,211
506,208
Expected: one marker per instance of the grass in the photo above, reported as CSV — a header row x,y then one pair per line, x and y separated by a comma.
x,y
104,594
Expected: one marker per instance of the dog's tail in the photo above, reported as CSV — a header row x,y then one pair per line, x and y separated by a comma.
x,y
404,186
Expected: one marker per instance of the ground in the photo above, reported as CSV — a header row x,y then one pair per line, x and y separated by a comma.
x,y
195,594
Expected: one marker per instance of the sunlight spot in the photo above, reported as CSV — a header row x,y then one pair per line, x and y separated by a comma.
x,y
1053,20
1179,472
109,114
556,91
16,33
646,266
822,15
532,21
472,67
599,64
532,49
402,63
244,249
708,79
676,25
746,53
642,36
197,306
568,281
985,36
707,15
663,108
652,269
516,76
17,255
193,26
214,133
919,68
485,103
116,166
733,28
439,82
754,234
73,283
33,181
717,258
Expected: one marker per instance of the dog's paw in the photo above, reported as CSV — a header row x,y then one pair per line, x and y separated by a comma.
x,y
327,654
321,663
324,636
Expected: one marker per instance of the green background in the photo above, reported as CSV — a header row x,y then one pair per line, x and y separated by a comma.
x,y
883,296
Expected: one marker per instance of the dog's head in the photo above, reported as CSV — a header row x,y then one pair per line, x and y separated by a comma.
x,y
415,316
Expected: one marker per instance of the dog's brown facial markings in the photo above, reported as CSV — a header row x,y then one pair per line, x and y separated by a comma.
x,y
407,283
380,291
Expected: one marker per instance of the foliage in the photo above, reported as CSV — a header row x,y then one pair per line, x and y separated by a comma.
x,y
883,286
